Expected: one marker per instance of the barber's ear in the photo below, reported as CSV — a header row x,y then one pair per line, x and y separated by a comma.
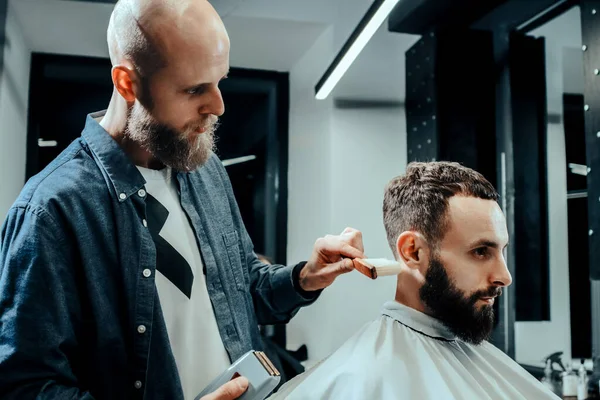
x,y
126,82
413,250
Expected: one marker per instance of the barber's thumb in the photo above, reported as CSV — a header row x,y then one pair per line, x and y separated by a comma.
x,y
231,390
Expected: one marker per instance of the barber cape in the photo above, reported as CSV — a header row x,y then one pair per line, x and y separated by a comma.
x,y
406,354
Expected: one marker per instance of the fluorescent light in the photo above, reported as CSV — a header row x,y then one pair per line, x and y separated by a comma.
x,y
47,143
579,169
365,30
237,160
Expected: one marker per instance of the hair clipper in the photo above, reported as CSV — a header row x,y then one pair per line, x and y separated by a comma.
x,y
257,368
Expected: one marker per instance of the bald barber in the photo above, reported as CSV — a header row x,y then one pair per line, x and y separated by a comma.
x,y
125,268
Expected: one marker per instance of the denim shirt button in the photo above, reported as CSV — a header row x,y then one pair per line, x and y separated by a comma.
x,y
147,273
145,223
141,329
138,384
122,196
141,193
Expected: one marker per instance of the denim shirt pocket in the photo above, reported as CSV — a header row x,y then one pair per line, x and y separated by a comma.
x,y
236,263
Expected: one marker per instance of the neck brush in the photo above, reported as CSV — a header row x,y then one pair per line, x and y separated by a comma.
x,y
375,267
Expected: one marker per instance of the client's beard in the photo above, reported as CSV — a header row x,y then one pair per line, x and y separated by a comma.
x,y
454,309
182,151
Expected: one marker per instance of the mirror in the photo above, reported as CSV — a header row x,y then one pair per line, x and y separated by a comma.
x,y
569,326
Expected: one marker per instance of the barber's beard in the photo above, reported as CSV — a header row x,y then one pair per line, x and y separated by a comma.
x,y
181,150
454,309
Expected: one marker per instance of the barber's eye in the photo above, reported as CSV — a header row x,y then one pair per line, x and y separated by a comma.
x,y
194,91
481,252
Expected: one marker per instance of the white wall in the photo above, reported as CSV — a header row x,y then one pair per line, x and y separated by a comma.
x,y
271,44
14,97
564,73
368,148
65,27
309,180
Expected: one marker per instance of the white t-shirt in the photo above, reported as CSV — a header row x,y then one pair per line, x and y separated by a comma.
x,y
195,340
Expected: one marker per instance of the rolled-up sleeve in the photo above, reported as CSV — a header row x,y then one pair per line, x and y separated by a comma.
x,y
39,307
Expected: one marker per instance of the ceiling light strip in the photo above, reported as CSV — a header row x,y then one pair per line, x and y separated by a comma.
x,y
375,16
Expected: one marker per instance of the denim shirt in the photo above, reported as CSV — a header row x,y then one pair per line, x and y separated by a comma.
x,y
80,316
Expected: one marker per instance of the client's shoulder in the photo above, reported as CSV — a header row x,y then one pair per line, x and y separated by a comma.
x,y
359,364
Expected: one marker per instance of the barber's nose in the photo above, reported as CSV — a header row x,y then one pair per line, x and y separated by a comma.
x,y
501,275
216,105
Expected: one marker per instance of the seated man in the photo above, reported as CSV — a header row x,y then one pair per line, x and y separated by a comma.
x,y
445,227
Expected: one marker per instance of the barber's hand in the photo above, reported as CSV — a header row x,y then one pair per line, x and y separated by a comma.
x,y
331,257
229,391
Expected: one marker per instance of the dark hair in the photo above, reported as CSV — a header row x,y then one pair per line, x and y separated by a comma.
x,y
418,200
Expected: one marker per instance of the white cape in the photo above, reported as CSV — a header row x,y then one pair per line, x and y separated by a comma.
x,y
406,354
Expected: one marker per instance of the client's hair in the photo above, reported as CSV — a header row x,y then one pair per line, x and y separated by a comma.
x,y
418,200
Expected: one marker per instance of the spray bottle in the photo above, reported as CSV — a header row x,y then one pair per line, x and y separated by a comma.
x,y
569,384
582,382
550,379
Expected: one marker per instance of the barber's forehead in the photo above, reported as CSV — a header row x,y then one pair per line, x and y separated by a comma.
x,y
470,217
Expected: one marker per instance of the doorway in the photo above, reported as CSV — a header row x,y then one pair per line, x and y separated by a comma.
x,y
252,139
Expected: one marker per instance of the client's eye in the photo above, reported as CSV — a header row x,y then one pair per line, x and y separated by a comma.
x,y
481,252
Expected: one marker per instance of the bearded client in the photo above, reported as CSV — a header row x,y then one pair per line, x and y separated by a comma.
x,y
445,227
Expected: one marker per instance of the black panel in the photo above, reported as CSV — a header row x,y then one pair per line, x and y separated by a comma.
x,y
579,267
514,14
590,25
574,124
466,89
591,63
450,97
421,16
529,108
421,100
579,281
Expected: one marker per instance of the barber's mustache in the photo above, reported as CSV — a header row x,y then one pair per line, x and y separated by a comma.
x,y
209,121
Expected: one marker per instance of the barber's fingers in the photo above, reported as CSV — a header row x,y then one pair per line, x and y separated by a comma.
x,y
332,271
229,391
353,237
336,246
344,266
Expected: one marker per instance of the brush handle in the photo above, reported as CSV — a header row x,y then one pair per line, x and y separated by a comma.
x,y
365,268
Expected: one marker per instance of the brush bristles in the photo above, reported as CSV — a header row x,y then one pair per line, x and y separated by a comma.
x,y
374,267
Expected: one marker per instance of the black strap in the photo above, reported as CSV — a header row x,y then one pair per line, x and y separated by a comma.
x,y
168,260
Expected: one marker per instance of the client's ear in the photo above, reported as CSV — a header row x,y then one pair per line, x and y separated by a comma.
x,y
413,250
